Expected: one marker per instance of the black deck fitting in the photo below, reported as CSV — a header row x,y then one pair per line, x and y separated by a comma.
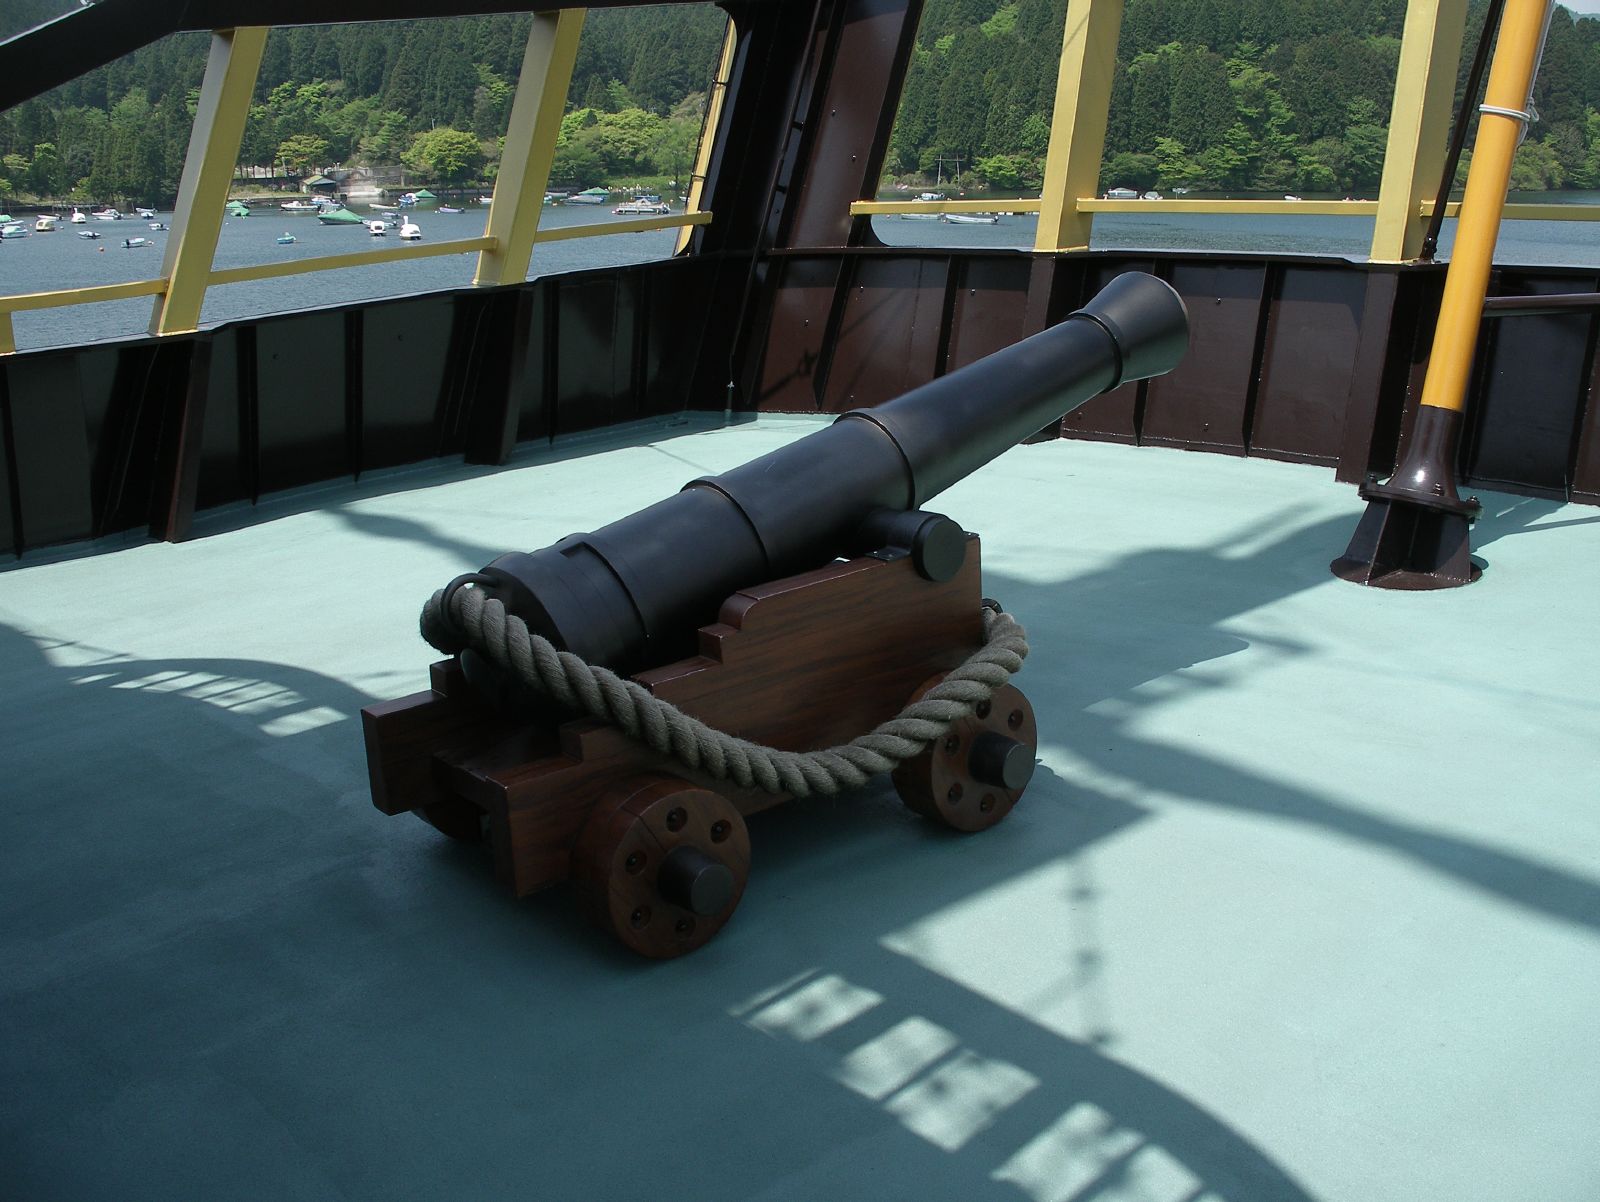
x,y
1414,534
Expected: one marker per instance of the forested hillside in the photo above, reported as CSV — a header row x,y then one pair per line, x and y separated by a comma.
x,y
1275,95
1272,95
434,95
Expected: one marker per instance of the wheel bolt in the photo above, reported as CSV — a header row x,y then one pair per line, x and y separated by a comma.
x,y
684,926
955,793
720,830
640,917
983,709
987,803
952,744
677,819
1014,721
635,862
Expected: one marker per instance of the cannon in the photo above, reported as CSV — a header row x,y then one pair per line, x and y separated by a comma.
x,y
795,602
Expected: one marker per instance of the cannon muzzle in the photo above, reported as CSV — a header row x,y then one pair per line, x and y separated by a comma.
x,y
633,593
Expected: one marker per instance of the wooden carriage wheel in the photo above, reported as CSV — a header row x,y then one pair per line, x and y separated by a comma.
x,y
970,779
662,864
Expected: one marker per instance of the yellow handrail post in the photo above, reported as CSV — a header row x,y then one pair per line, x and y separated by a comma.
x,y
1414,533
1419,126
530,146
214,142
1078,125
708,133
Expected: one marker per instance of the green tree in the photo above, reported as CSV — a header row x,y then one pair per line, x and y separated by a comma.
x,y
447,155
301,153
1125,170
1365,141
1002,170
623,140
45,177
1536,168
388,139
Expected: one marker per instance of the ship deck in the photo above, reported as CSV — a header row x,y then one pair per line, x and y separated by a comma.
x,y
1303,902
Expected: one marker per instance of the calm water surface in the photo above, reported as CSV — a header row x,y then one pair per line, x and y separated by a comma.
x,y
44,262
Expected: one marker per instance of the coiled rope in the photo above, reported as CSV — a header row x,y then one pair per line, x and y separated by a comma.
x,y
479,620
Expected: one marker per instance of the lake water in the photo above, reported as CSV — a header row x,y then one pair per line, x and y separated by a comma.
x,y
44,262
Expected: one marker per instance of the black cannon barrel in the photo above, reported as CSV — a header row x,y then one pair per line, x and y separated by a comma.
x,y
633,593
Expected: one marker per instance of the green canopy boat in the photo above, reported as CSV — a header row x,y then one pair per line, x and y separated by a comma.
x,y
340,217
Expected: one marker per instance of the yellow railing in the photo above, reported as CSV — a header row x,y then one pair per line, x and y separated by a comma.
x,y
1302,208
66,297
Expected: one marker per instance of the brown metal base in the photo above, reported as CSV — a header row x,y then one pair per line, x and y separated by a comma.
x,y
1400,544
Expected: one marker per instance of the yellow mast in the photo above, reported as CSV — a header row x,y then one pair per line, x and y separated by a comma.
x,y
1414,532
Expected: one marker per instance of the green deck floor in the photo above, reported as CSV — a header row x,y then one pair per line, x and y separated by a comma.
x,y
1304,900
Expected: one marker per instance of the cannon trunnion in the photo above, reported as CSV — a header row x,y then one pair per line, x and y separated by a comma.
x,y
797,602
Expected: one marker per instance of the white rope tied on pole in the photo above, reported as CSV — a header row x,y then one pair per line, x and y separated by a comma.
x,y
479,620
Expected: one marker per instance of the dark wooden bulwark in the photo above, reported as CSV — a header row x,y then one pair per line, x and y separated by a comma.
x,y
137,435
888,332
1534,390
1316,361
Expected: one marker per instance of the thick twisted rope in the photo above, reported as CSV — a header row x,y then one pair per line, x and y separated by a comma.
x,y
478,620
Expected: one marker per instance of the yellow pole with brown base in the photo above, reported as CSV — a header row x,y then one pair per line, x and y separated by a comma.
x,y
1414,532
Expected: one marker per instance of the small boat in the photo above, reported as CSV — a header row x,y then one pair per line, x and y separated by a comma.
x,y
340,217
641,206
926,198
143,212
1151,195
1290,196
286,239
410,230
384,209
158,225
106,214
377,228
1122,194
77,217
448,209
299,206
589,196
972,218
13,229
46,224
134,243
237,208
88,233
